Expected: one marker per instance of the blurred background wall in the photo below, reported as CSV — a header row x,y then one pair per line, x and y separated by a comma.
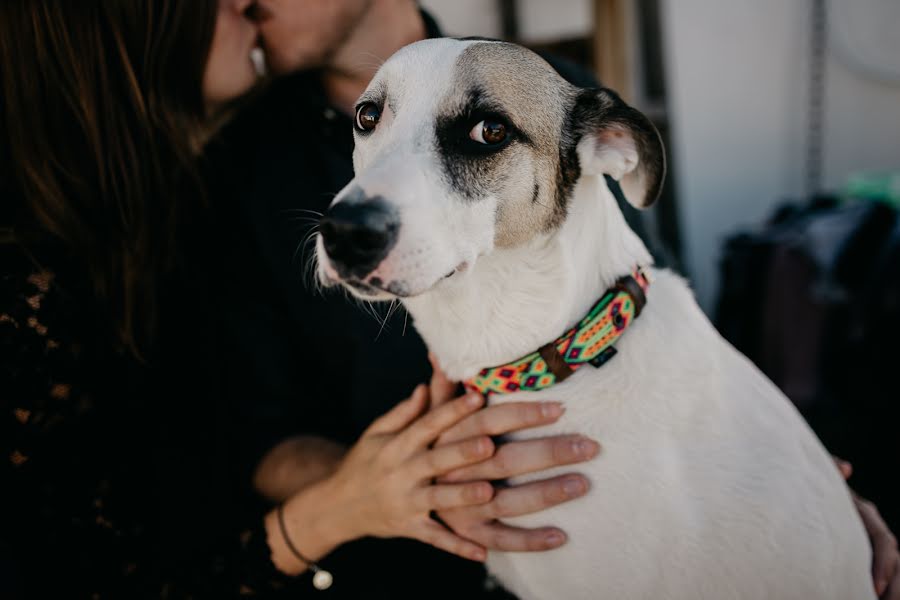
x,y
737,75
728,85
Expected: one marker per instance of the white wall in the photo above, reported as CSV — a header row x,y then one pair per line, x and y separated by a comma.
x,y
543,20
539,20
737,81
465,17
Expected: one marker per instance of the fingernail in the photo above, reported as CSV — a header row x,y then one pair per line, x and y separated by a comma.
x,y
574,487
478,555
554,538
479,493
585,447
551,410
483,446
880,587
473,400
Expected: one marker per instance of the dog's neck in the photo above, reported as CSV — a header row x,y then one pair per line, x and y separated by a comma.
x,y
515,300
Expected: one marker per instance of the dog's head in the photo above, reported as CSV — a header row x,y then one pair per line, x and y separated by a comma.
x,y
465,146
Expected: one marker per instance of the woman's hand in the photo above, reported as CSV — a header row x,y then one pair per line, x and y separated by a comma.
x,y
386,478
885,557
383,486
481,523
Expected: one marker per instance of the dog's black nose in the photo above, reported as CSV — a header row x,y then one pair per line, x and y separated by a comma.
x,y
358,234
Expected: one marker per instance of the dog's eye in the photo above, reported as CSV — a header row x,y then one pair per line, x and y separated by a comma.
x,y
489,132
367,116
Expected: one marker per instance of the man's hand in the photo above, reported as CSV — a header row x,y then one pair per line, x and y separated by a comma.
x,y
885,557
481,523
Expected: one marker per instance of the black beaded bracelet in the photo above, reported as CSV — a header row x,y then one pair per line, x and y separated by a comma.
x,y
322,579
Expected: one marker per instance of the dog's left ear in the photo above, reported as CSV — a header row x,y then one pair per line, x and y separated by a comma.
x,y
615,139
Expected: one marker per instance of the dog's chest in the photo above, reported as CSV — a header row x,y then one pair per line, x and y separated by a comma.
x,y
636,513
706,478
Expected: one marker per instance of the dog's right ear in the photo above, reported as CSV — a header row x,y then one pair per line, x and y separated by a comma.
x,y
615,139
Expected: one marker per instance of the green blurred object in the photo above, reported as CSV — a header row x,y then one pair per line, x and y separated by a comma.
x,y
879,187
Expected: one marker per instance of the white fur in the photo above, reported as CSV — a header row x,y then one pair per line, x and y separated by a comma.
x,y
515,300
398,163
709,485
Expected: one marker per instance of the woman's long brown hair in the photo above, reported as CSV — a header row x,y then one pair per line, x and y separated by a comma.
x,y
99,103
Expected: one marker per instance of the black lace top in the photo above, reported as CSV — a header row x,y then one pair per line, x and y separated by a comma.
x,y
116,478
125,480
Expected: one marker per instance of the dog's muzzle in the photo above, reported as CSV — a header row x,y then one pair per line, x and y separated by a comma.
x,y
358,234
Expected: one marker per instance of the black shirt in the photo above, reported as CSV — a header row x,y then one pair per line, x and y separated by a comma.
x,y
301,361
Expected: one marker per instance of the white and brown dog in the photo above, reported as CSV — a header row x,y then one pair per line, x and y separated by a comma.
x,y
480,201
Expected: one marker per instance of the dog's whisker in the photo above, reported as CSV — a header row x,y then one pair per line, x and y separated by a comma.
x,y
387,316
303,219
364,305
303,210
397,307
370,308
310,261
305,241
311,275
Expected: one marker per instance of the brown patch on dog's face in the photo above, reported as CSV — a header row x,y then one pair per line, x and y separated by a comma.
x,y
510,85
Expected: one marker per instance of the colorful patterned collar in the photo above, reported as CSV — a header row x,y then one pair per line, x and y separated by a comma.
x,y
590,341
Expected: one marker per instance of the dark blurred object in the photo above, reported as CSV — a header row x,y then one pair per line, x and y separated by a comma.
x,y
813,298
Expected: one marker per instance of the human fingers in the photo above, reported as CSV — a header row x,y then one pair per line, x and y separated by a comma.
x,y
431,532
446,497
885,556
442,389
401,415
437,461
496,535
893,590
431,425
533,497
844,467
504,418
529,456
